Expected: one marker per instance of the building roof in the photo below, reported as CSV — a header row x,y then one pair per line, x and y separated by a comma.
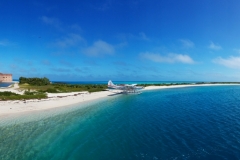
x,y
5,74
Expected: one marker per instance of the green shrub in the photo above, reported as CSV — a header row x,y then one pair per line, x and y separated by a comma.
x,y
14,96
51,90
34,81
7,93
28,93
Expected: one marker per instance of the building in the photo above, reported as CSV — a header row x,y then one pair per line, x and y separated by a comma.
x,y
5,77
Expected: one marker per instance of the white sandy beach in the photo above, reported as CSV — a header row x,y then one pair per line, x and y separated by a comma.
x,y
56,100
180,86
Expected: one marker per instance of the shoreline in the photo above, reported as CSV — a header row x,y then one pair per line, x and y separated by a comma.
x,y
54,101
60,100
188,85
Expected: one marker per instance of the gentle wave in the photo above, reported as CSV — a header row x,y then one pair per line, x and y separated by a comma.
x,y
183,123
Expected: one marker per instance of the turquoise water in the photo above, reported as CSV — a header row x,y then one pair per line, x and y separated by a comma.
x,y
181,123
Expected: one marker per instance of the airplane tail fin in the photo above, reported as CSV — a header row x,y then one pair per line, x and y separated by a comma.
x,y
110,83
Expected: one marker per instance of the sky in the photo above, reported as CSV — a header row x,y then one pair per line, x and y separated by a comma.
x,y
134,40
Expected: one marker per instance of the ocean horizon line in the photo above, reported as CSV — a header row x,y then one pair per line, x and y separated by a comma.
x,y
131,81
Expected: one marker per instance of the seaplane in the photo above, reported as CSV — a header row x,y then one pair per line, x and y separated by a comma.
x,y
125,88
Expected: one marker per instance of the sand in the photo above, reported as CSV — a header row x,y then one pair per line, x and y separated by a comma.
x,y
56,100
180,86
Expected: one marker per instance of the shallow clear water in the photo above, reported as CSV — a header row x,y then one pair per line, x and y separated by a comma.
x,y
181,123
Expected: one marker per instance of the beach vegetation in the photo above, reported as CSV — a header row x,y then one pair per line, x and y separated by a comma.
x,y
43,85
34,81
61,88
6,95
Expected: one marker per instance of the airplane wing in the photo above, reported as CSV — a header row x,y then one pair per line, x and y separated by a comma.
x,y
113,86
116,87
123,87
130,85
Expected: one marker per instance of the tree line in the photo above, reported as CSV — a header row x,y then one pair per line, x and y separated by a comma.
x,y
34,81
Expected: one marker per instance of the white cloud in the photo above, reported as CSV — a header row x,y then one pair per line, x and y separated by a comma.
x,y
140,36
187,43
52,22
76,27
121,45
2,43
104,6
5,43
214,46
46,62
60,70
99,48
237,50
231,62
70,40
143,36
170,58
66,63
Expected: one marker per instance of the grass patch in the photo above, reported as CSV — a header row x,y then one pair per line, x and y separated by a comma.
x,y
27,95
61,88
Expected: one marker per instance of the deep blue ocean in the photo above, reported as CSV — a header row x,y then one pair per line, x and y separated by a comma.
x,y
189,123
5,84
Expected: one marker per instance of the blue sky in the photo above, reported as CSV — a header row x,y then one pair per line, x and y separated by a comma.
x,y
94,40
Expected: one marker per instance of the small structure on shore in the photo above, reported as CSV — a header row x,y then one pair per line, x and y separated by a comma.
x,y
5,77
